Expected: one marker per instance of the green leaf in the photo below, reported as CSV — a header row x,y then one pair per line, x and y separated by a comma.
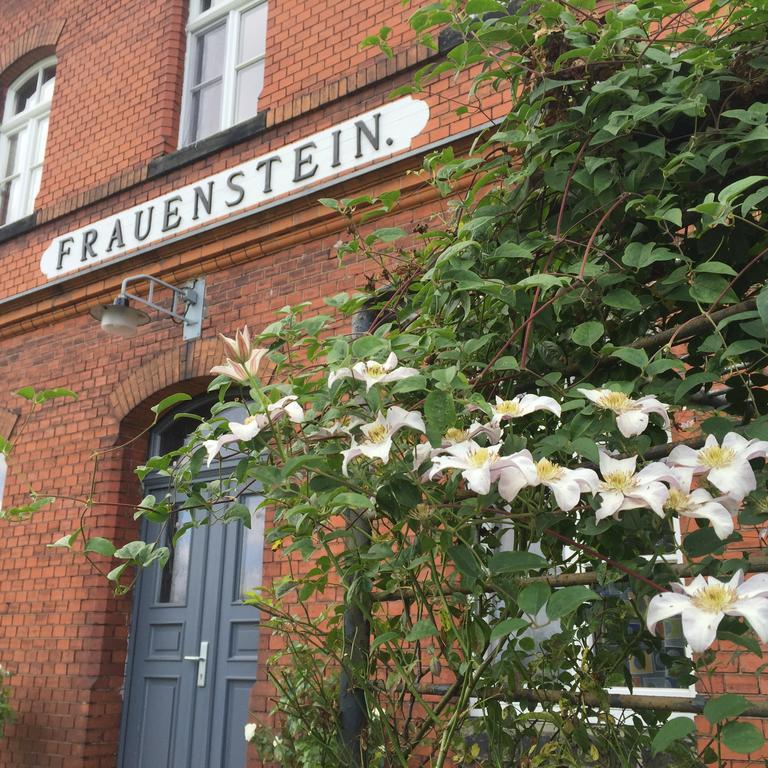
x,y
411,384
762,306
664,364
743,738
726,706
636,357
745,641
169,402
439,414
673,730
367,347
568,599
543,281
512,562
352,500
621,298
728,193
100,546
50,394
389,234
532,598
640,255
716,268
586,334
508,627
465,561
421,630
479,7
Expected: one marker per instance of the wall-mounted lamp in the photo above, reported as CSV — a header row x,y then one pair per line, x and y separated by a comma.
x,y
187,305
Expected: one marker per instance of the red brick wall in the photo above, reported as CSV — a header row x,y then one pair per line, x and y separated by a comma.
x,y
116,107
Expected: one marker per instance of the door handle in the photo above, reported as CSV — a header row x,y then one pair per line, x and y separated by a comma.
x,y
202,662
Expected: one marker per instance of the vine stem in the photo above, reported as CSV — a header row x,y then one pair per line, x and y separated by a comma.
x,y
613,563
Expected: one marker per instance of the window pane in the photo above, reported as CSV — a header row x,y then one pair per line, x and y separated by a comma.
x,y
6,190
210,52
206,111
10,163
252,554
46,93
41,138
253,33
25,94
34,188
250,81
175,576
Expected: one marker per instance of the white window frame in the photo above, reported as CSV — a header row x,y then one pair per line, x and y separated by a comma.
x,y
27,124
230,13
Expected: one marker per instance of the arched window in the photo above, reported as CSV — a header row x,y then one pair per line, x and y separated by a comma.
x,y
226,44
23,132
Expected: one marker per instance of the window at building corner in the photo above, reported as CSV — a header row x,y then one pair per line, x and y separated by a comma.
x,y
226,44
23,133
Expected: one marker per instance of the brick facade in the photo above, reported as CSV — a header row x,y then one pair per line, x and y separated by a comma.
x,y
113,143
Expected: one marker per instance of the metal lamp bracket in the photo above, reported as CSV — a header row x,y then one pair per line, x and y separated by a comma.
x,y
187,304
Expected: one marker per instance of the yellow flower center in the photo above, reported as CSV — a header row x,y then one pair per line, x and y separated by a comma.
x,y
454,435
548,470
375,369
377,433
479,457
618,481
677,501
508,408
714,598
716,457
250,419
617,402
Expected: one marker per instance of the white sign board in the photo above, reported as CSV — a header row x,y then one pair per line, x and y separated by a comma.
x,y
371,136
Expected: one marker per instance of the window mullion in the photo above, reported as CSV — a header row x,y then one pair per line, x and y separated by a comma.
x,y
230,74
26,156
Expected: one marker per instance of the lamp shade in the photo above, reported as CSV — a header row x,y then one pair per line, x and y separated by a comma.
x,y
119,319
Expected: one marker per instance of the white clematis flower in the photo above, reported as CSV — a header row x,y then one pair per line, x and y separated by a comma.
x,y
623,488
699,503
378,435
631,415
727,465
704,602
372,372
454,436
213,447
566,484
250,731
522,405
252,425
481,467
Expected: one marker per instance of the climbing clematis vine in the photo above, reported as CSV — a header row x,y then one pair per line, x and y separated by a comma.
x,y
631,415
567,485
726,466
522,405
623,488
372,372
698,503
704,602
378,435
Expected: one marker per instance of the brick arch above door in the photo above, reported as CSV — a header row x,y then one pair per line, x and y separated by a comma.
x,y
34,44
188,364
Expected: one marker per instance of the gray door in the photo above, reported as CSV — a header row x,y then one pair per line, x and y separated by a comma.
x,y
180,712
